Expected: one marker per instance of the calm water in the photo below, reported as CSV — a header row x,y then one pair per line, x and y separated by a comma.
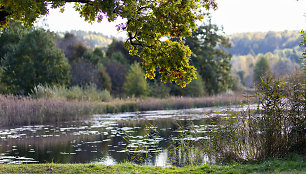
x,y
159,138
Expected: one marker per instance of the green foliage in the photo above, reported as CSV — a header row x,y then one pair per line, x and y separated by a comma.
x,y
283,116
86,65
34,61
273,166
95,57
291,54
20,11
148,23
237,85
261,69
135,83
273,130
160,90
10,37
195,88
88,93
210,57
118,46
119,57
91,93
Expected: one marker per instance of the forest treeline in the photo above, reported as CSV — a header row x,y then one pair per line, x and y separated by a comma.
x,y
281,52
281,49
263,42
39,62
89,65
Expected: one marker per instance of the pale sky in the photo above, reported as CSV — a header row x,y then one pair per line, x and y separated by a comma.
x,y
235,16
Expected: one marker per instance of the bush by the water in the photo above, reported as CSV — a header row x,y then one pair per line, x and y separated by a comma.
x,y
276,129
88,93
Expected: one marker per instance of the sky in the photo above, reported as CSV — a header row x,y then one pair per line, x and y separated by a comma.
x,y
236,16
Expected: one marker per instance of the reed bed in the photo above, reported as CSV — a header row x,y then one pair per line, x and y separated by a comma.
x,y
16,110
20,110
26,111
189,102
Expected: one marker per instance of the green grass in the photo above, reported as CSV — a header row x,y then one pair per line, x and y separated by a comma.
x,y
294,165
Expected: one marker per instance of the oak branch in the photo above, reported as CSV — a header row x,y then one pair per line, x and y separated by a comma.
x,y
149,22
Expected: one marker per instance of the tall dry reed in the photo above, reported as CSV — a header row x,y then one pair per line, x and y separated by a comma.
x,y
16,110
189,102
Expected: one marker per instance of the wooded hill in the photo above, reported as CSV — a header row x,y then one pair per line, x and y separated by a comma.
x,y
91,39
281,44
281,49
264,42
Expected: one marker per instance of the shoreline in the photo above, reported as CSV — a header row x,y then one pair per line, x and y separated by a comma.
x,y
23,111
294,164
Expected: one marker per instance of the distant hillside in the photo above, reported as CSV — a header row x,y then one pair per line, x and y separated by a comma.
x,y
91,39
256,43
281,49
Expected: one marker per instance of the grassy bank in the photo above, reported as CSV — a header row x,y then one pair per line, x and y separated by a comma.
x,y
293,165
16,110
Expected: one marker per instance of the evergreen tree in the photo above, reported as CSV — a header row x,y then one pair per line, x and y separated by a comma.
x,y
135,84
261,69
195,88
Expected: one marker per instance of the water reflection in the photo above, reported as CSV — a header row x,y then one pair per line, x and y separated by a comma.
x,y
159,138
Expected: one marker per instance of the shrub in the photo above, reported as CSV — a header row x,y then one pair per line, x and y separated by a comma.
x,y
282,120
88,93
91,93
274,130
41,91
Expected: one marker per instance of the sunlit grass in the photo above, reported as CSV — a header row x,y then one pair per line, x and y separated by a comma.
x,y
294,164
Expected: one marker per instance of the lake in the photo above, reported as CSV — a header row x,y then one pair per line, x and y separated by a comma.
x,y
157,138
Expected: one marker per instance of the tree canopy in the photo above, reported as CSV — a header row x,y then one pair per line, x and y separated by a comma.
x,y
32,61
148,23
261,69
209,48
